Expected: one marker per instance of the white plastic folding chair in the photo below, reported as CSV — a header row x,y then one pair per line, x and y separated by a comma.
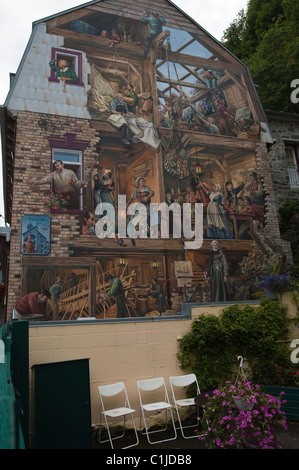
x,y
15,315
147,389
177,383
109,394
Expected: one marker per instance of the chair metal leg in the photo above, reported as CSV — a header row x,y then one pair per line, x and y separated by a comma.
x,y
136,435
148,433
111,439
108,431
181,427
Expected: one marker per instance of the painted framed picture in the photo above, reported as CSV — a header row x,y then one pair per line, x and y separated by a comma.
x,y
67,289
35,235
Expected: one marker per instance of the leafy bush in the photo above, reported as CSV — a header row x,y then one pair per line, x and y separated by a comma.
x,y
287,376
257,333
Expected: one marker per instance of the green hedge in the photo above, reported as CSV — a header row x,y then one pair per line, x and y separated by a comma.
x,y
257,333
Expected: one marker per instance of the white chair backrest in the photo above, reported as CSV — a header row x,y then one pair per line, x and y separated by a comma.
x,y
111,390
151,384
182,380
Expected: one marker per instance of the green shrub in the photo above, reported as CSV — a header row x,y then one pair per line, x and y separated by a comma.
x,y
256,333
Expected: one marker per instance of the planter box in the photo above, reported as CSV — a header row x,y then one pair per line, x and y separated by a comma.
x,y
291,408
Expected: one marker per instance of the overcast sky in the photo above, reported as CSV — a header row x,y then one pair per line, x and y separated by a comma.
x,y
16,20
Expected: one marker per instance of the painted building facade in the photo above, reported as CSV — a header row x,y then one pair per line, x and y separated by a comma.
x,y
113,99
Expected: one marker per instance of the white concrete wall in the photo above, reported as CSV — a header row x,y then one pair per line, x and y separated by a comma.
x,y
127,352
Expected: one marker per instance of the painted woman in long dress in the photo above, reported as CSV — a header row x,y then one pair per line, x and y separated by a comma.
x,y
217,224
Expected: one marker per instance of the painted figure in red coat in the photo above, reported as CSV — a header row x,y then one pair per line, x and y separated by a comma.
x,y
33,303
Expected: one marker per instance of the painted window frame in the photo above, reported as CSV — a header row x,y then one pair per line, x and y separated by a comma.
x,y
74,166
69,144
40,220
76,58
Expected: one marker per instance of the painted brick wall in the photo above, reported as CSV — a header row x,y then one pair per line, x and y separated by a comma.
x,y
32,162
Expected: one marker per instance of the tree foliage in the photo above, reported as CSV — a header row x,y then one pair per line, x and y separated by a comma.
x,y
261,15
232,36
266,38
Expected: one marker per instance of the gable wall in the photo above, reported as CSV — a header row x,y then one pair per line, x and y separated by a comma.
x,y
35,93
45,108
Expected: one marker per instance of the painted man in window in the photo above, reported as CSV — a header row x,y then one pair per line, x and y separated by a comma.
x,y
63,70
64,181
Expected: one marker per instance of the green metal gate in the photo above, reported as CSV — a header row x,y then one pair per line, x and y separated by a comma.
x,y
62,405
14,385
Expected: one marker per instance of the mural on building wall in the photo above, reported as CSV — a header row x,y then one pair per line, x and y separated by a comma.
x,y
67,291
197,92
64,194
118,293
35,235
190,96
130,286
63,70
176,122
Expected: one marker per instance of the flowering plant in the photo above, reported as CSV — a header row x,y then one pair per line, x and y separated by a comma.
x,y
276,283
241,416
57,201
288,376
